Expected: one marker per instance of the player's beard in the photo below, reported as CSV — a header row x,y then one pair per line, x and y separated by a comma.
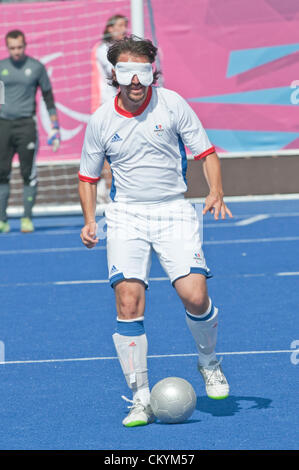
x,y
136,93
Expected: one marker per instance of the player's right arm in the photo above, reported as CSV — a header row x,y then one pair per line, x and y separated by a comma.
x,y
91,164
88,197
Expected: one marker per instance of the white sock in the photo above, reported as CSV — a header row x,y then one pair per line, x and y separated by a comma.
x,y
132,354
143,394
204,331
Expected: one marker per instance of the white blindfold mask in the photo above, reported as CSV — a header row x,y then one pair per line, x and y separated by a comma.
x,y
125,71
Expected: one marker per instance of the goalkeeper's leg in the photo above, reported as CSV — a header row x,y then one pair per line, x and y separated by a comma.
x,y
27,148
6,153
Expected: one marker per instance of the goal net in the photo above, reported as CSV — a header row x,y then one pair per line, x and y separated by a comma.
x,y
57,189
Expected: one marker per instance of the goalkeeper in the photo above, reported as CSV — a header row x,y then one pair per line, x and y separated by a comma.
x,y
22,75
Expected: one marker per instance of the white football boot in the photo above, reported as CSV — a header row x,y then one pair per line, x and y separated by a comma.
x,y
139,414
216,384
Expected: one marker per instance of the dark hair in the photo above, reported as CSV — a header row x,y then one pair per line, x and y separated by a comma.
x,y
14,34
107,37
135,46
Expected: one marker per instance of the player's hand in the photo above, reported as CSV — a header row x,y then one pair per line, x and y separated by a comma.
x,y
88,235
54,138
214,203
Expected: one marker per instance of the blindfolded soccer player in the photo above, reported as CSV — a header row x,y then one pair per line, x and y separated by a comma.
x,y
22,76
142,133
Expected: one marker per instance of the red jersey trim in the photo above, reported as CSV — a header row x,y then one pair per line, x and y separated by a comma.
x,y
139,111
204,154
87,179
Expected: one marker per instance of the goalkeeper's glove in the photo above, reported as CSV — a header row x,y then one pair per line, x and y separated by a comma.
x,y
54,136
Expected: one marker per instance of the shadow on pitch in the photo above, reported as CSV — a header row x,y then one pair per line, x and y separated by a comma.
x,y
231,405
189,421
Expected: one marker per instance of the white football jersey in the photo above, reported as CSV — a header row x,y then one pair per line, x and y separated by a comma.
x,y
145,149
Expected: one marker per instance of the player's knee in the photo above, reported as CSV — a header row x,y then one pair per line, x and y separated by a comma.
x,y
128,306
197,302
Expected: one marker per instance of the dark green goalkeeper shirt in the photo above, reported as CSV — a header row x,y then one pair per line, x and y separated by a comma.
x,y
21,80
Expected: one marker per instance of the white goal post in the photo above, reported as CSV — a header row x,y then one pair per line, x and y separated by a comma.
x,y
137,18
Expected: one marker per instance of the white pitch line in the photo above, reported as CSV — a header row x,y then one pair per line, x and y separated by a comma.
x,y
295,273
152,279
46,232
92,281
248,220
101,281
48,250
155,356
258,197
218,224
274,214
269,214
70,283
252,220
208,242
251,240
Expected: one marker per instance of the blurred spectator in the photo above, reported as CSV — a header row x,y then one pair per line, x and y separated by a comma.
x,y
115,29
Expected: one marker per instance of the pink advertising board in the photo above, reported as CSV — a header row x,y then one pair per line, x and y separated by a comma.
x,y
234,61
62,35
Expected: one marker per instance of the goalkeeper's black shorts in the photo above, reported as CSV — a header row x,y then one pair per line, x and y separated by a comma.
x,y
18,136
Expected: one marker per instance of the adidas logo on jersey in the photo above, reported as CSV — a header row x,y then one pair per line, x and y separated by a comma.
x,y
116,138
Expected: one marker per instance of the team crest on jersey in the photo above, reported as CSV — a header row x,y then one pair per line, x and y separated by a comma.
x,y
28,72
197,258
116,138
159,129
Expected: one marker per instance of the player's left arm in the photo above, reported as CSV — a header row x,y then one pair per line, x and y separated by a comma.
x,y
194,136
214,201
47,92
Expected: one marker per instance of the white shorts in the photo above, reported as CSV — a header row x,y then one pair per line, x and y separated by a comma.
x,y
171,229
